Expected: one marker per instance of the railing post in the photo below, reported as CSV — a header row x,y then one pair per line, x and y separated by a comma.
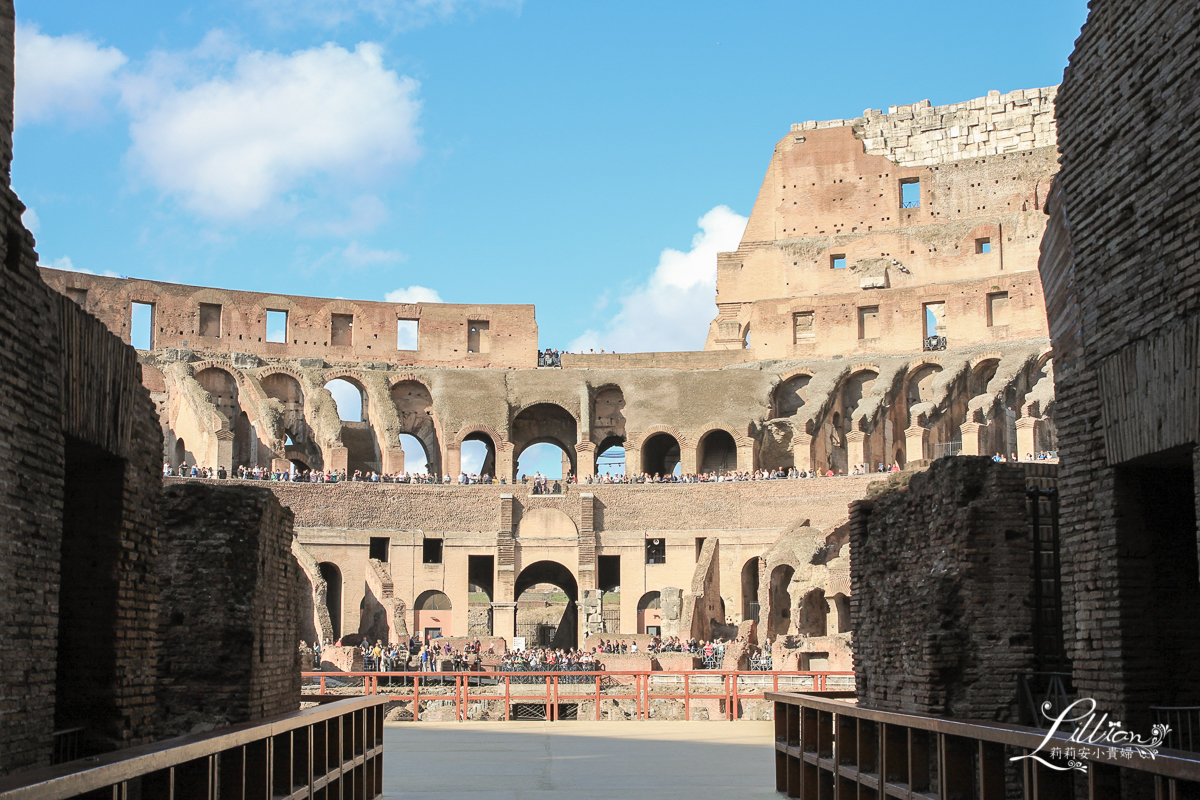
x,y
687,696
547,677
507,694
417,697
597,677
733,705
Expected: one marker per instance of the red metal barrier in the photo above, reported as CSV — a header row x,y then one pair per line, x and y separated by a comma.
x,y
573,687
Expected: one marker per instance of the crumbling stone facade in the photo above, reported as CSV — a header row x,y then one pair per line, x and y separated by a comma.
x,y
942,583
228,608
1122,279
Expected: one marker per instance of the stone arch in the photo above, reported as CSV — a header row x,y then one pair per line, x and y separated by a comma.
x,y
661,453
223,387
814,614
832,448
641,437
333,595
552,572
433,611
717,451
750,578
790,394
779,598
983,369
153,379
414,407
546,523
492,441
839,609
608,417
180,459
363,451
544,422
649,612
284,390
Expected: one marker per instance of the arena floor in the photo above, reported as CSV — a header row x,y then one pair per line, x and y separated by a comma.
x,y
569,760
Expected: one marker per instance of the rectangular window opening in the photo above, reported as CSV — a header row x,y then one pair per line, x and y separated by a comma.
x,y
997,309
210,320
431,551
910,193
868,322
407,334
837,261
380,545
983,246
802,327
341,329
277,323
478,337
934,316
141,326
656,551
699,546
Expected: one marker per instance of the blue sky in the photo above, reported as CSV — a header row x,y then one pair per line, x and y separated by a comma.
x,y
590,158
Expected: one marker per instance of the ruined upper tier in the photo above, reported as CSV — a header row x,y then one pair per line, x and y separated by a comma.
x,y
881,233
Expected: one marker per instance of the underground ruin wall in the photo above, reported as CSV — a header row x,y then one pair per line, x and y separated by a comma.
x,y
229,610
941,576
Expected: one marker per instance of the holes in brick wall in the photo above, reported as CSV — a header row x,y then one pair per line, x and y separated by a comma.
x,y
837,261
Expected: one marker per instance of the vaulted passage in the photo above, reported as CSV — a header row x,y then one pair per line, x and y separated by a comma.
x,y
660,454
564,633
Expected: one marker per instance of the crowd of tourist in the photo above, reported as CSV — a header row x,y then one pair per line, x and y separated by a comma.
x,y
549,358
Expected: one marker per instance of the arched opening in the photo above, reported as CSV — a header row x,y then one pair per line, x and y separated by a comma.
x,y
414,407
546,618
814,611
649,612
544,422
981,376
362,451
477,454
432,615
779,615
717,452
285,392
660,454
243,442
849,397
840,610
920,384
899,460
333,595
548,458
750,589
223,389
791,395
610,456
416,457
481,572
180,459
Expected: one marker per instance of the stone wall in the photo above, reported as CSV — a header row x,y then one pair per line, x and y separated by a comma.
x,y
229,609
1122,280
942,577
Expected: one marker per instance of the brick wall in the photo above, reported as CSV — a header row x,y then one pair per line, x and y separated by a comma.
x,y
941,580
229,610
1123,299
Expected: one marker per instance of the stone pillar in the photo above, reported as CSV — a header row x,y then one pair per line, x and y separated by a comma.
x,y
802,451
972,434
504,460
745,456
452,461
585,458
339,458
224,451
687,459
916,443
393,460
633,460
1027,428
504,621
588,564
856,442
591,615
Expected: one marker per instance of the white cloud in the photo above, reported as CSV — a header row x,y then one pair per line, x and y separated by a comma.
x,y
232,146
413,294
63,77
31,222
671,311
398,14
358,256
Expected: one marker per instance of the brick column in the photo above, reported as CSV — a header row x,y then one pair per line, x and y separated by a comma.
x,y
585,458
745,456
393,460
633,460
916,443
588,565
1027,436
504,460
972,433
224,451
802,450
452,461
855,446
339,458
506,552
687,459
504,620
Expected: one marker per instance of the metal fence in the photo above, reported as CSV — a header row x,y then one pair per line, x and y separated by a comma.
x,y
826,748
461,696
1184,722
333,750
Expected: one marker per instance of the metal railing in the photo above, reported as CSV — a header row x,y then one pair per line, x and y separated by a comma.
x,y
827,748
1184,722
64,745
933,343
462,696
333,750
